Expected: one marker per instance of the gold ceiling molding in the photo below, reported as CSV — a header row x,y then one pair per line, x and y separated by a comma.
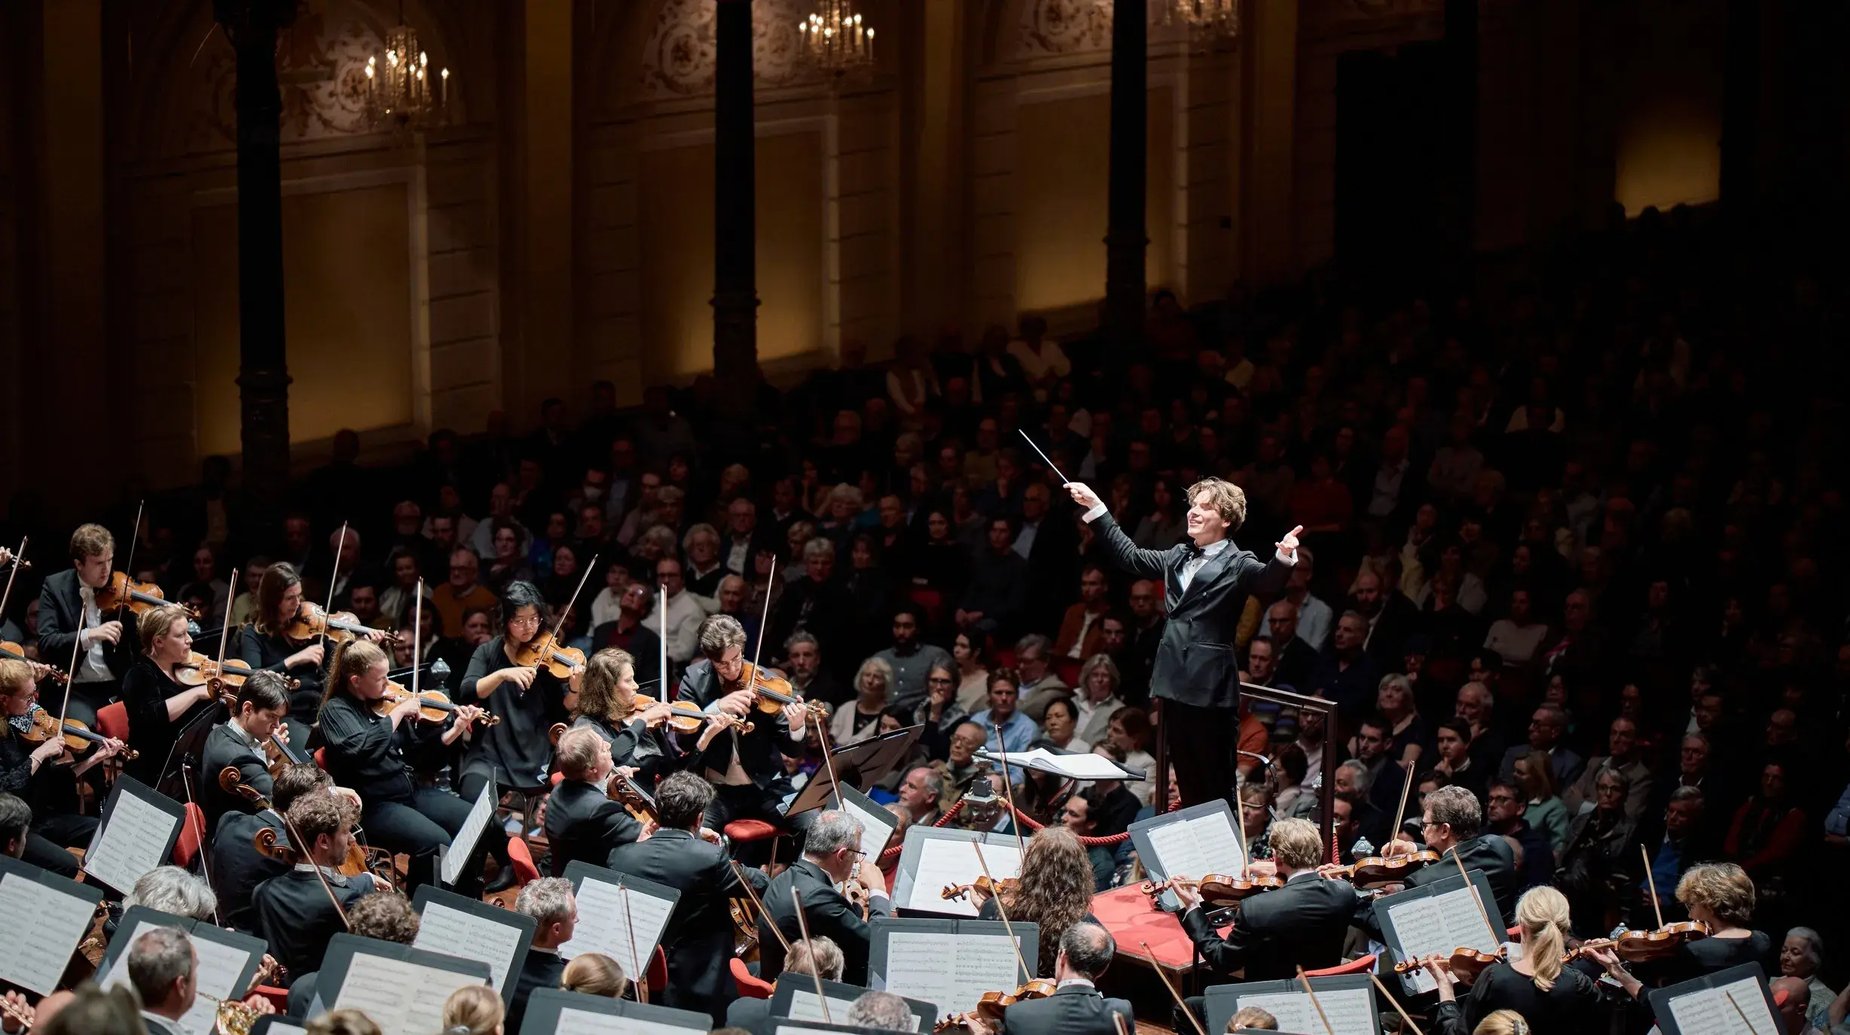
x,y
680,56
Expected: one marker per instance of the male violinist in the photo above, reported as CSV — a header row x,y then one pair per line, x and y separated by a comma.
x,y
1452,823
581,820
69,617
1302,924
262,705
1207,582
746,769
295,912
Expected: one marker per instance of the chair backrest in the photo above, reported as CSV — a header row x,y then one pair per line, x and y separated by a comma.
x,y
658,970
112,721
192,834
750,985
1361,965
321,758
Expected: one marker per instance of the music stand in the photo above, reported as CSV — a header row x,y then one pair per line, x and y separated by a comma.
x,y
190,743
858,765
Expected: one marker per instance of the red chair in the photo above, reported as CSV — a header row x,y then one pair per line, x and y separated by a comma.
x,y
192,832
278,997
521,856
321,758
745,831
1068,670
658,970
750,985
112,721
1362,965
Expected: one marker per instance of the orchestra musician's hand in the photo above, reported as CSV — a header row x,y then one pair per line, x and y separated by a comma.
x,y
1442,974
1262,868
716,724
1082,495
347,793
1400,845
48,752
1187,894
521,676
259,1003
1615,969
660,711
18,1007
467,714
797,716
575,677
269,972
1288,546
374,635
711,836
281,732
108,632
108,747
309,655
405,709
738,703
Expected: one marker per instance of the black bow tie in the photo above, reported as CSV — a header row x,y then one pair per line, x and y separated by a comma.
x,y
1195,552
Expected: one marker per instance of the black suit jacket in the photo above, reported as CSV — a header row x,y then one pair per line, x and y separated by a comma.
x,y
1302,924
1071,1010
829,916
760,751
1195,662
698,938
225,748
61,612
583,823
541,969
1489,853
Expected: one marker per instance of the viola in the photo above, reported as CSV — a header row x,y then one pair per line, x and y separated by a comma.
x,y
687,716
991,1005
543,652
1643,946
1464,962
40,670
223,676
982,886
1375,870
434,705
140,597
1217,889
77,736
311,622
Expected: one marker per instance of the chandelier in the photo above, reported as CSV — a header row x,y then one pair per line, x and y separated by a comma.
x,y
400,92
835,41
1206,18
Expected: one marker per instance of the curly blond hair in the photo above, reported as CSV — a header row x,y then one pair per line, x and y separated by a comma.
x,y
1724,888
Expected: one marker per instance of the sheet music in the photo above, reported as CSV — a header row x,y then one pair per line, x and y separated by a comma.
x,y
876,829
804,1006
402,998
456,933
584,1022
943,862
1351,1011
462,846
798,1029
1197,847
280,1028
1437,924
1085,766
604,926
45,925
220,967
132,841
1708,1012
915,968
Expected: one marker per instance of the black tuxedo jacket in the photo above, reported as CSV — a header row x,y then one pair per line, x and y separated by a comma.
x,y
61,612
1489,853
224,748
760,751
1195,662
829,915
1072,1010
1302,924
583,823
698,939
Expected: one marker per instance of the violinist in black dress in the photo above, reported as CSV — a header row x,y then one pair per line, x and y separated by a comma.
x,y
43,775
162,693
607,705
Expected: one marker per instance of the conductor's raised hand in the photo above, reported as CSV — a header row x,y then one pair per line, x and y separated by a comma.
x,y
1084,496
1288,546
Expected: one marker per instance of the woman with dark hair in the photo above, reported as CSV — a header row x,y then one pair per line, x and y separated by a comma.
x,y
515,753
1054,891
262,645
1166,522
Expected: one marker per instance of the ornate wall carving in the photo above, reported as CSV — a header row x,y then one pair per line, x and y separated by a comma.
x,y
679,58
1062,27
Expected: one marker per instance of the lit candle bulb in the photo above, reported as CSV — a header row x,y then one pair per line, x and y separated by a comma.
x,y
443,88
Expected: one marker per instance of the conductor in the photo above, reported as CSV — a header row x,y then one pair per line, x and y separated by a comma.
x,y
1206,582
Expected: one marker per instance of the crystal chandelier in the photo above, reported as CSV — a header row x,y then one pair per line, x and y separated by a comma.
x,y
400,92
835,41
1206,18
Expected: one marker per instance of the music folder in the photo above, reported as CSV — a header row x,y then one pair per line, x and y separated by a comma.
x,y
858,765
47,916
1348,1001
554,1011
472,929
1720,1001
139,829
795,999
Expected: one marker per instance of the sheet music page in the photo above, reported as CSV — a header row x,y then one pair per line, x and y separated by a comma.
x,y
915,968
130,843
804,1006
604,924
1197,847
280,1028
456,933
1085,766
1351,1011
220,966
584,1022
402,998
1438,924
875,829
462,846
944,862
45,924
1708,1011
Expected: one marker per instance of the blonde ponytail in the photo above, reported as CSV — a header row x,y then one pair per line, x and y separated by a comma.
x,y
1543,915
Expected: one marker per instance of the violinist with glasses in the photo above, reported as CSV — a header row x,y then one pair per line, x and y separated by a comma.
x,y
44,774
70,618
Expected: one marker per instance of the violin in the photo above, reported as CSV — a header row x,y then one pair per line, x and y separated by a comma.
x,y
360,859
991,1005
774,692
1643,946
222,676
40,670
1375,870
687,717
543,652
281,753
77,736
1218,890
140,597
982,886
435,705
1464,962
311,622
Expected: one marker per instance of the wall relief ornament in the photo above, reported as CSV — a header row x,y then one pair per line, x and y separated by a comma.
x,y
1063,26
681,54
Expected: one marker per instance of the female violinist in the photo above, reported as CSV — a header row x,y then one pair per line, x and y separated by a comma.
x,y
160,701
264,645
43,775
1054,890
1720,895
607,704
366,750
1547,995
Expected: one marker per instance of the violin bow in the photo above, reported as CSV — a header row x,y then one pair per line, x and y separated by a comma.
x,y
18,560
1496,936
1651,881
815,973
641,976
1117,1021
764,623
996,887
306,851
64,710
1742,1014
1304,980
224,634
1400,814
417,639
1389,996
661,648
558,622
1008,790
134,539
1181,1004
327,614
739,872
1239,820
186,781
